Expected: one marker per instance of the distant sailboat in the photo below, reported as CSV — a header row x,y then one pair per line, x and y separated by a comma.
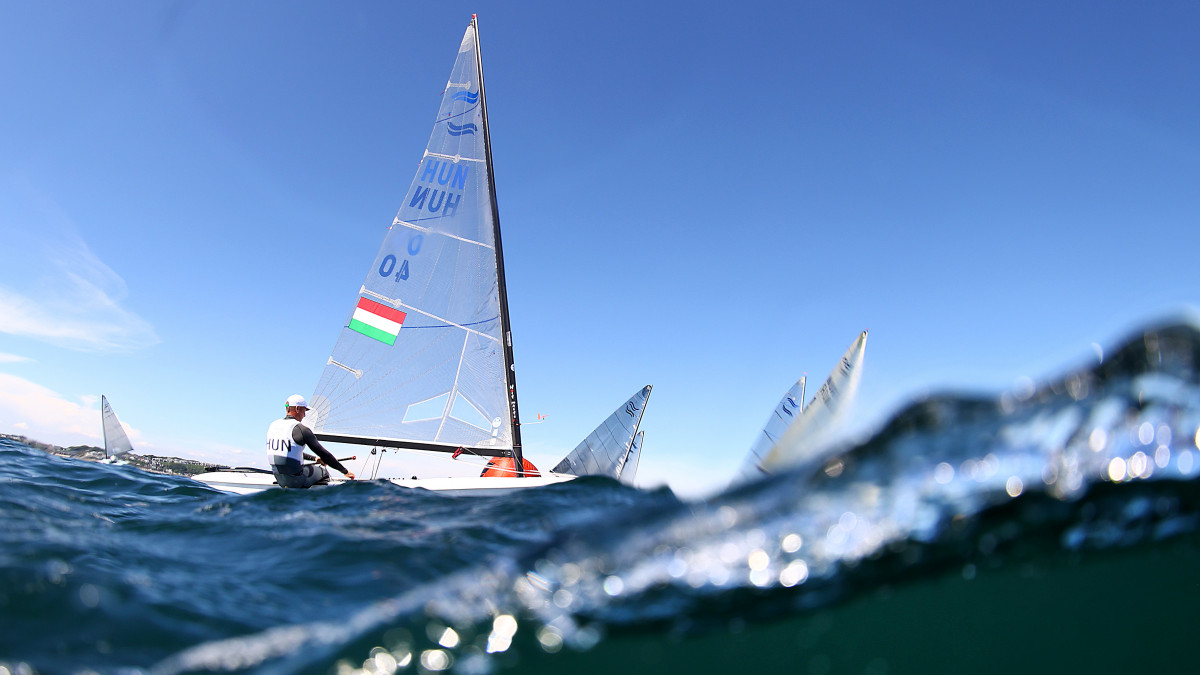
x,y
116,441
425,360
793,435
606,451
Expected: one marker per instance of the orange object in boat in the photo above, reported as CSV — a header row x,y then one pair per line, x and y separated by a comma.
x,y
505,467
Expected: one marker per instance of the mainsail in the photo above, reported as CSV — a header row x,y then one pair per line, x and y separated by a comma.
x,y
116,441
606,450
425,358
812,428
786,413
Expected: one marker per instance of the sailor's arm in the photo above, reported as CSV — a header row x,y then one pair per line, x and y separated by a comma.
x,y
302,434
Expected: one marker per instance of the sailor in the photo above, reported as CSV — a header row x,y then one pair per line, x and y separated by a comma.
x,y
286,440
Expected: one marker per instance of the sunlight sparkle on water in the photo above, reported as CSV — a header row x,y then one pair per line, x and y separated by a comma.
x,y
562,598
381,661
613,586
550,639
436,660
1015,486
943,473
504,627
1163,435
1145,433
1162,456
449,638
795,573
791,543
728,516
1186,462
1139,465
1116,469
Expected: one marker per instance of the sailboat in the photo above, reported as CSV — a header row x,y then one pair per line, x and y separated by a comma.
x,y
424,361
795,434
786,412
116,441
606,451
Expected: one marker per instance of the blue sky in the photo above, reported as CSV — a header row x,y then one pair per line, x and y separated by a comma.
x,y
710,199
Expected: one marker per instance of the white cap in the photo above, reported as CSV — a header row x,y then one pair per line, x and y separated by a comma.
x,y
296,401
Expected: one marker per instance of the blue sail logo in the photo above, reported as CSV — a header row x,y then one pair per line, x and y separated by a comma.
x,y
471,97
459,130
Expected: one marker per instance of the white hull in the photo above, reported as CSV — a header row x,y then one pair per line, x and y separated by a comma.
x,y
249,482
237,482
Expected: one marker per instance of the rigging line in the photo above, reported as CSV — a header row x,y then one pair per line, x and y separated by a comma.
x,y
398,304
450,117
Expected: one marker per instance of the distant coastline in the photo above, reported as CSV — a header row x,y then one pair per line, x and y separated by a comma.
x,y
169,465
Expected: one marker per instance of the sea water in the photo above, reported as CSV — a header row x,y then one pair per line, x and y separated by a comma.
x,y
1050,530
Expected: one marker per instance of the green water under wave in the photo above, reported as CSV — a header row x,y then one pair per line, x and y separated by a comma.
x,y
1119,611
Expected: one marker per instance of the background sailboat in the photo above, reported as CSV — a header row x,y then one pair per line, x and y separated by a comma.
x,y
116,441
607,449
811,428
786,412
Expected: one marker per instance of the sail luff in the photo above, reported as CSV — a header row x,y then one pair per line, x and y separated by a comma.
x,y
510,375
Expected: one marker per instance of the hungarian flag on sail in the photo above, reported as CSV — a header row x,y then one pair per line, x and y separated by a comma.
x,y
377,321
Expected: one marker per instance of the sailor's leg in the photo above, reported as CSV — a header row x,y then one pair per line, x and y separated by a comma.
x,y
315,474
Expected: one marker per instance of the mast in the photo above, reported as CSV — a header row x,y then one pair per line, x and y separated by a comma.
x,y
510,375
104,423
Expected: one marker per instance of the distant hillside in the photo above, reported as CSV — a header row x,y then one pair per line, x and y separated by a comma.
x,y
172,465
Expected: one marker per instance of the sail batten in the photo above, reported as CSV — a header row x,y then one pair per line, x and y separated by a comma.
x,y
453,158
452,236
